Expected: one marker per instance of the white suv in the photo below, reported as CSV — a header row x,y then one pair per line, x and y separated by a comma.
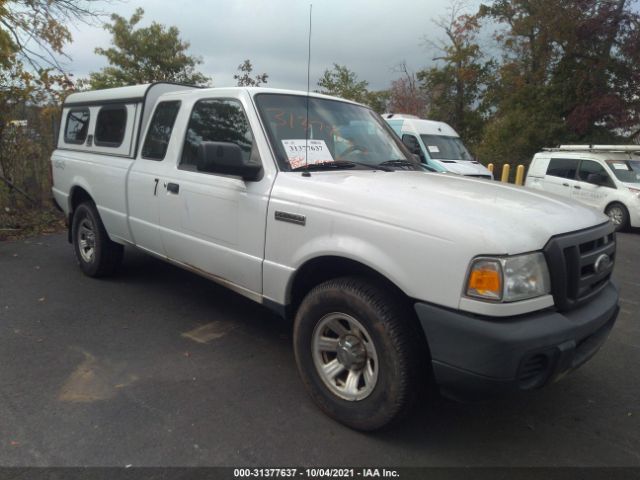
x,y
606,177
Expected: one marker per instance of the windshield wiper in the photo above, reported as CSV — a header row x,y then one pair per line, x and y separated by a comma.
x,y
339,164
401,163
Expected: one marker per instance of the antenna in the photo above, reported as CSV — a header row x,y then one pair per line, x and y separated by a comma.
x,y
306,130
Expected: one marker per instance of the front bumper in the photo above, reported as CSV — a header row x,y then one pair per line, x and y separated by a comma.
x,y
474,356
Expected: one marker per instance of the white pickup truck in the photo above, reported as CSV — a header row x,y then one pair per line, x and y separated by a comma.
x,y
313,207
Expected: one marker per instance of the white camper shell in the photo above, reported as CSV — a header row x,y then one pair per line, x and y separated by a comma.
x,y
93,121
437,144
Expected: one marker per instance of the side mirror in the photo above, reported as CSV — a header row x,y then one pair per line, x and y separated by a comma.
x,y
596,179
411,144
226,158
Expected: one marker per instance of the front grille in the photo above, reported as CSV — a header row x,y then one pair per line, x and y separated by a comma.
x,y
578,266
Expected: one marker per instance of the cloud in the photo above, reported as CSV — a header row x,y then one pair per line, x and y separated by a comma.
x,y
370,37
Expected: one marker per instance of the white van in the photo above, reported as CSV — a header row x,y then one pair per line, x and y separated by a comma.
x,y
437,144
606,177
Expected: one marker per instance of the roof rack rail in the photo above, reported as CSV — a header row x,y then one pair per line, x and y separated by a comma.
x,y
594,148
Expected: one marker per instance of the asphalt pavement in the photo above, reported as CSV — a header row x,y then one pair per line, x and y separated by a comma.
x,y
159,367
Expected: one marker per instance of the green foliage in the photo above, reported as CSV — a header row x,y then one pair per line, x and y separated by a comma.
x,y
144,55
378,100
569,72
35,32
244,78
342,82
455,87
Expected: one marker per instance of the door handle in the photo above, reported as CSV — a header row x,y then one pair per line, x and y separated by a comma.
x,y
577,186
565,184
173,188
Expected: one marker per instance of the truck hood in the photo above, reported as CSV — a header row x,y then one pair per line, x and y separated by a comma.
x,y
494,217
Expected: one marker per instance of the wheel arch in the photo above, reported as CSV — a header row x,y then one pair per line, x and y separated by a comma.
x,y
613,202
321,269
77,196
622,204
324,268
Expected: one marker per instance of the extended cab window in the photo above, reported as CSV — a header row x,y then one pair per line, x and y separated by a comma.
x,y
110,126
217,121
562,167
587,167
159,133
77,126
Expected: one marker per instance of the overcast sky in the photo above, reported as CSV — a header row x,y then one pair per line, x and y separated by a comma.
x,y
369,36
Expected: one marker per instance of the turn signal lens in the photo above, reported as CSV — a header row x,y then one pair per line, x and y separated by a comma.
x,y
485,280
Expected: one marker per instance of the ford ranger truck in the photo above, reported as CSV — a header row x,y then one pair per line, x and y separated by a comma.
x,y
313,207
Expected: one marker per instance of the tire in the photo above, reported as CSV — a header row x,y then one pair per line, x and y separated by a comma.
x,y
97,255
373,366
619,216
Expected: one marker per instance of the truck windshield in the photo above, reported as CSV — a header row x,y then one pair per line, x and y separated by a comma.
x,y
441,147
627,171
339,133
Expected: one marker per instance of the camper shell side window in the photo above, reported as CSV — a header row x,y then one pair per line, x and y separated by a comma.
x,y
110,126
77,126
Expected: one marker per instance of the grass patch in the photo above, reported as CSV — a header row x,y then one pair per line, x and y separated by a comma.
x,y
19,224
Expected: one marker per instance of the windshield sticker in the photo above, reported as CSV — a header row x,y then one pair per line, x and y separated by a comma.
x,y
621,166
317,152
433,149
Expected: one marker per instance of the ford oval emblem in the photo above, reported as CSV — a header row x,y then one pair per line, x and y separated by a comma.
x,y
602,263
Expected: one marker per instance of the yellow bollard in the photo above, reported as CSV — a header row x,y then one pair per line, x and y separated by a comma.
x,y
490,167
520,175
505,173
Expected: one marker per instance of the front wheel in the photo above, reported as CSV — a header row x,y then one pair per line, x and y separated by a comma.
x,y
96,253
357,353
619,216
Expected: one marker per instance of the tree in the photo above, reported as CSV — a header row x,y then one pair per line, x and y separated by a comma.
x,y
455,88
342,82
570,72
35,31
244,78
144,55
378,100
405,95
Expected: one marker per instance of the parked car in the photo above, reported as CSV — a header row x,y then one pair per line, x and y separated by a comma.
x,y
436,144
606,177
311,206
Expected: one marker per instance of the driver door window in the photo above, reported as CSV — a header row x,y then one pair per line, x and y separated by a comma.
x,y
217,120
587,167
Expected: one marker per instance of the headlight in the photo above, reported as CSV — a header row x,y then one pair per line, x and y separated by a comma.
x,y
509,279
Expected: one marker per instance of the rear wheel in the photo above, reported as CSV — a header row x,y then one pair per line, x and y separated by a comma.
x,y
357,353
97,255
619,216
